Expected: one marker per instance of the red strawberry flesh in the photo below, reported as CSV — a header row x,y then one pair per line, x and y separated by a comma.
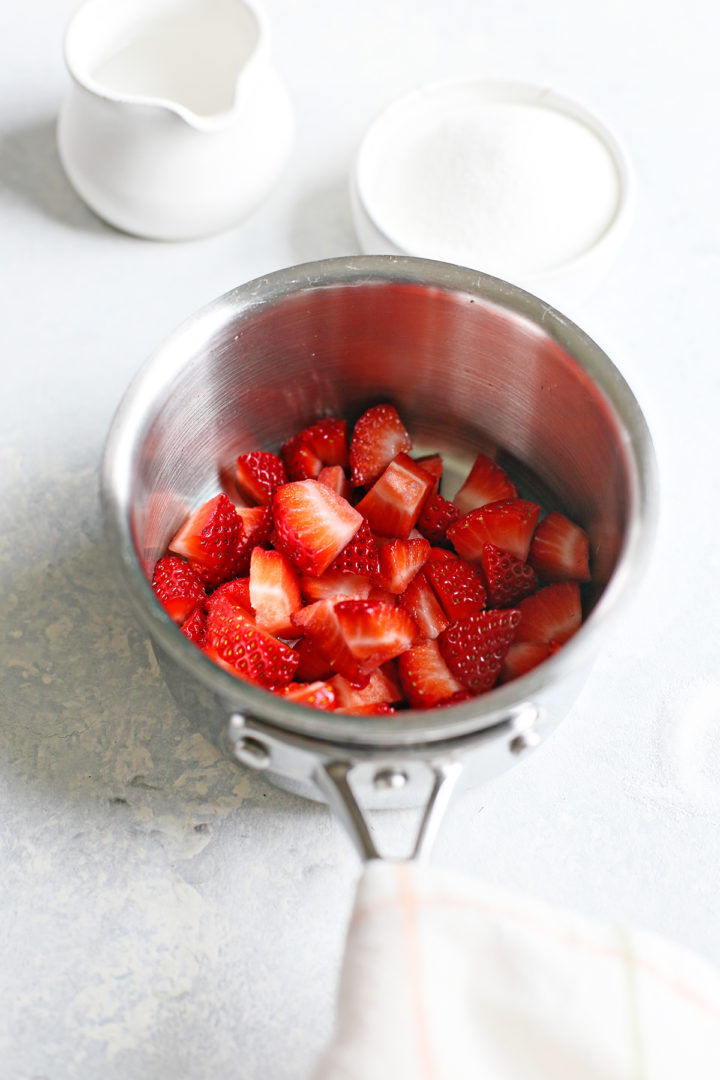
x,y
210,535
374,632
425,677
312,524
378,437
486,483
552,614
508,524
394,502
560,549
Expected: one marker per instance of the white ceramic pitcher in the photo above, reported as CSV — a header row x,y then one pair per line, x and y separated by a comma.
x,y
176,123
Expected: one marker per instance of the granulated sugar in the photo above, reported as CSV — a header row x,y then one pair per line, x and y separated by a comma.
x,y
510,188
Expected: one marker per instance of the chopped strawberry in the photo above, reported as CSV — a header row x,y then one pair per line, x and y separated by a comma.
x,y
334,584
334,477
177,587
274,591
195,627
382,686
421,603
384,595
394,502
252,653
508,524
301,462
552,614
360,556
316,695
210,535
374,632
257,525
521,657
560,549
259,474
459,586
508,578
381,709
399,563
328,439
438,554
486,482
425,677
313,665
433,464
474,648
437,514
312,524
236,592
320,624
378,437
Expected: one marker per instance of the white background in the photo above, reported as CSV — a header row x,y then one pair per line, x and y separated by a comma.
x,y
161,913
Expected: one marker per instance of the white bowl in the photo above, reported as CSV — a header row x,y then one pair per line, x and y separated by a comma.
x,y
406,187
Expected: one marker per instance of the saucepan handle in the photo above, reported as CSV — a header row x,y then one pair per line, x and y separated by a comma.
x,y
334,779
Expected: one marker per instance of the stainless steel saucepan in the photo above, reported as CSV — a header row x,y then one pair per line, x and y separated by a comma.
x,y
470,362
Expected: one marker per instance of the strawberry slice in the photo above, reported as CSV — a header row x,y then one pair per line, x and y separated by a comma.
x,y
301,462
210,536
381,709
421,603
399,562
433,464
560,549
394,502
334,584
508,524
328,440
438,554
237,590
508,578
378,593
382,686
274,591
334,477
258,475
245,649
177,587
552,614
374,632
378,437
425,677
360,556
459,586
485,483
437,514
195,627
316,695
257,525
320,625
313,665
521,657
474,648
312,524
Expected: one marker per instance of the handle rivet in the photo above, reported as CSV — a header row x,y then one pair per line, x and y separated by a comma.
x,y
390,779
252,753
525,740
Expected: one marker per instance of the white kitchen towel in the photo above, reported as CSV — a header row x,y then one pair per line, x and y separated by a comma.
x,y
446,978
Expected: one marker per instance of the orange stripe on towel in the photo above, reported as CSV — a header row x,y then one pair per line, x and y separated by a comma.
x,y
413,964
